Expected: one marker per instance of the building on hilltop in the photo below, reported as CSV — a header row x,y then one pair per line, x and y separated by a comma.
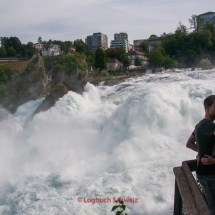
x,y
120,40
72,49
208,17
48,50
97,40
114,64
52,50
39,46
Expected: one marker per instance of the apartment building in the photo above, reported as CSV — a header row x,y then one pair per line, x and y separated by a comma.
x,y
97,40
121,36
208,17
118,43
120,40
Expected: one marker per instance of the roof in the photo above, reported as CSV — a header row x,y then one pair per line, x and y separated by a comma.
x,y
113,61
136,53
72,47
207,13
154,39
49,72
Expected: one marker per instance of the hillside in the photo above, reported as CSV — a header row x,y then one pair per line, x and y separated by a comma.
x,y
18,65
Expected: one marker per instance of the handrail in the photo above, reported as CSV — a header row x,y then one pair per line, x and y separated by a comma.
x,y
187,191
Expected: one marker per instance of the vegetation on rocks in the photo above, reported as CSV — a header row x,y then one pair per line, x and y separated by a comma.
x,y
206,64
18,88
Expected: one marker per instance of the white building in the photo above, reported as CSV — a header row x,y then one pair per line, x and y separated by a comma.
x,y
136,54
52,50
114,64
38,46
120,40
120,43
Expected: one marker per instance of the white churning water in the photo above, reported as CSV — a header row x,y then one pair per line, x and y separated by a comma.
x,y
114,141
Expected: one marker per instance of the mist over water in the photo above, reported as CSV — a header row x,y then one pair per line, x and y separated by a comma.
x,y
114,141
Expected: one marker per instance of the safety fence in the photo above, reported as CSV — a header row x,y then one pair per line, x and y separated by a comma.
x,y
189,200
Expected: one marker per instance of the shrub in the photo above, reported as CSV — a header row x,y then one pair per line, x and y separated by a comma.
x,y
206,64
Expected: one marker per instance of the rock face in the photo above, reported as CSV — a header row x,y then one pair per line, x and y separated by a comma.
x,y
27,86
32,83
59,91
74,82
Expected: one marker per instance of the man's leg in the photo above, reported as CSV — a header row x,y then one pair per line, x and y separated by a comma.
x,y
208,185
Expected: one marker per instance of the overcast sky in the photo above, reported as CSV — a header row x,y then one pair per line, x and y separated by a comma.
x,y
75,19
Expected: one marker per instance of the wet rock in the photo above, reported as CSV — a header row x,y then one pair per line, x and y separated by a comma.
x,y
58,91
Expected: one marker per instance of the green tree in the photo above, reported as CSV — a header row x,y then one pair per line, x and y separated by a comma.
x,y
191,57
15,43
143,47
153,36
39,40
11,52
155,58
80,46
169,62
181,29
100,59
120,54
125,60
5,42
196,22
206,64
30,49
23,50
137,61
3,52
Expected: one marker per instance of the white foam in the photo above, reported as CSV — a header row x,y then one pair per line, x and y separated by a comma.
x,y
114,141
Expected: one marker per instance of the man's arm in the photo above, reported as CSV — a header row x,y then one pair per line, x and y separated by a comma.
x,y
191,143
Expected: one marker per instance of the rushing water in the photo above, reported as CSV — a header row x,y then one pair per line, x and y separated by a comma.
x,y
109,142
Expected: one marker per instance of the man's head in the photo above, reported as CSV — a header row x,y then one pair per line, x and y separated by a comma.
x,y
209,104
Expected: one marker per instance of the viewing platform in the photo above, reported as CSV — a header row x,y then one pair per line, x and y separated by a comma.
x,y
188,199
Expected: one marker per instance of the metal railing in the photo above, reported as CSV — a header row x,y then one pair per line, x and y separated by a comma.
x,y
188,198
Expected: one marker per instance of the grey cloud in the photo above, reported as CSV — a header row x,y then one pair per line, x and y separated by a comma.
x,y
70,20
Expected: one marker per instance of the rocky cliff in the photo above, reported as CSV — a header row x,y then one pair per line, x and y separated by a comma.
x,y
26,86
32,83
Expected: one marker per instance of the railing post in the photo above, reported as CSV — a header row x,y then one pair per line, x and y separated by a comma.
x,y
188,197
177,201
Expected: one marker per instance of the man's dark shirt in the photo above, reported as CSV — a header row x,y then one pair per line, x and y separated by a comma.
x,y
205,139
